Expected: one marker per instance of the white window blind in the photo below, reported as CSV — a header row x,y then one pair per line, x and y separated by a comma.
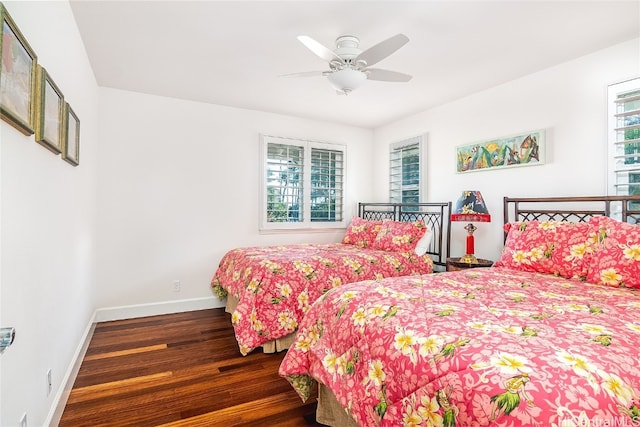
x,y
624,138
303,184
406,171
285,176
327,172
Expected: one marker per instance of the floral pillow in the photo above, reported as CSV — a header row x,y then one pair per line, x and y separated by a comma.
x,y
616,260
399,236
361,232
554,247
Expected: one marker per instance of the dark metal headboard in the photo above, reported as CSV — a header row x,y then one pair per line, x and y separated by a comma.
x,y
572,209
437,216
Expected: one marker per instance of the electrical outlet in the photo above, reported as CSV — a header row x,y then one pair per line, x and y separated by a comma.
x,y
23,420
176,286
49,383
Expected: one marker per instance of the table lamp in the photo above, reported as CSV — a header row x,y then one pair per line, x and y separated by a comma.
x,y
470,207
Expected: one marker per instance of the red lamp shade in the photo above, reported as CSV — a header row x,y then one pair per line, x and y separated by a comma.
x,y
470,207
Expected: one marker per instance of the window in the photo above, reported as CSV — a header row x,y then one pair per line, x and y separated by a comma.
x,y
406,171
303,184
624,138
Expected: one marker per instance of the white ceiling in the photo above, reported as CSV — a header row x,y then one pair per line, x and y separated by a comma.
x,y
233,52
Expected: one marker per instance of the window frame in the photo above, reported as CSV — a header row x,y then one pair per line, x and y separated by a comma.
x,y
306,224
613,93
420,140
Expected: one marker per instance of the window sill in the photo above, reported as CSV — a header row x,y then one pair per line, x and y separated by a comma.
x,y
302,230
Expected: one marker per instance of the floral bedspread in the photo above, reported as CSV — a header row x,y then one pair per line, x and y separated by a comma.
x,y
275,285
472,348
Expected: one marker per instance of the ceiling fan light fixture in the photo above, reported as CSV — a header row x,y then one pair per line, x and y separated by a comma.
x,y
349,66
347,79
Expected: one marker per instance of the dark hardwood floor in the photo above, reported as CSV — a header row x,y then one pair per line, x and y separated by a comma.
x,y
180,369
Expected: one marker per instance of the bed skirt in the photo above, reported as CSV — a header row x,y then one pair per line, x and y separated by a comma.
x,y
269,347
330,412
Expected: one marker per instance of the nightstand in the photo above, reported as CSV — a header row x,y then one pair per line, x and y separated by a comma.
x,y
454,264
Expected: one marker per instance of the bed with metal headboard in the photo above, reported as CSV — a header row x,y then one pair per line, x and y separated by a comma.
x,y
270,288
552,325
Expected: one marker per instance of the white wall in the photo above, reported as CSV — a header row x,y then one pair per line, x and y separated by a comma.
x,y
47,212
179,186
568,101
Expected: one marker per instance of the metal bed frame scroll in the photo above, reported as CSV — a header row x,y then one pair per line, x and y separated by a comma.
x,y
572,209
436,216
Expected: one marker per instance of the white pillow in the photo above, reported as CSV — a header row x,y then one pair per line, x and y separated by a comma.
x,y
424,243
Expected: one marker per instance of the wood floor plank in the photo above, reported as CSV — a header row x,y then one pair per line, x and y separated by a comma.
x,y
125,352
248,412
181,369
110,389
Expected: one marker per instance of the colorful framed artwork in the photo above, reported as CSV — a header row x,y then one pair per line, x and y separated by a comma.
x,y
50,112
525,149
17,76
71,146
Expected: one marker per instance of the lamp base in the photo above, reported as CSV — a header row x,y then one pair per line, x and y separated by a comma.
x,y
469,259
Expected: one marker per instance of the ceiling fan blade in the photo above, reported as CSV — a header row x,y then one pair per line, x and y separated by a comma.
x,y
319,49
383,49
305,74
386,75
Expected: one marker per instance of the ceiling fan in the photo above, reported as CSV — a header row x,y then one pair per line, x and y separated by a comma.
x,y
349,65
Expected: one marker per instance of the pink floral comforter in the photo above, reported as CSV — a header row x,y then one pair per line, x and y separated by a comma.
x,y
473,348
275,285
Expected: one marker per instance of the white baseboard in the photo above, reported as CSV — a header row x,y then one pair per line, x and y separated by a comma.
x,y
156,308
60,400
117,313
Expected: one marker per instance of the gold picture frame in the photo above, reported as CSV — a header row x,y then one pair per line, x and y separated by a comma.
x,y
17,76
71,147
49,112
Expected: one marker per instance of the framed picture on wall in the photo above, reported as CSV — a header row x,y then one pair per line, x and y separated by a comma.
x,y
17,76
525,149
50,112
71,147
